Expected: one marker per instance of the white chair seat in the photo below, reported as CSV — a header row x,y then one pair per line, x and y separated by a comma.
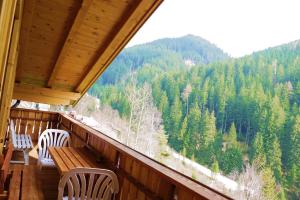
x,y
21,142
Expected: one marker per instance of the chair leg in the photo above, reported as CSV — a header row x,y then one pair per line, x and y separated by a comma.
x,y
26,157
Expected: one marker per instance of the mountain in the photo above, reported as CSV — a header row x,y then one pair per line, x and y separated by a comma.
x,y
167,53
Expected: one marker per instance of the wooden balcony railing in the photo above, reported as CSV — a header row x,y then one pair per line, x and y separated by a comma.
x,y
140,177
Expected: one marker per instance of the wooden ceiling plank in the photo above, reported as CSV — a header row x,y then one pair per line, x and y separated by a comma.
x,y
76,25
97,69
29,9
20,88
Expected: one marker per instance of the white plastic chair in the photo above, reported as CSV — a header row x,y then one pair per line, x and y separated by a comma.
x,y
21,142
51,138
89,183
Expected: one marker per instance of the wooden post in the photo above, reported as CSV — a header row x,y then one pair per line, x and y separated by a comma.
x,y
9,33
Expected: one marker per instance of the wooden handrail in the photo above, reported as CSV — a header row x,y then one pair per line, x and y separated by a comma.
x,y
140,177
180,181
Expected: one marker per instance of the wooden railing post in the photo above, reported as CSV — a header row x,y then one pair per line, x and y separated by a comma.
x,y
10,26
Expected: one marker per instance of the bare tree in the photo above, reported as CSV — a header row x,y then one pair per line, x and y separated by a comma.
x,y
144,120
185,96
250,184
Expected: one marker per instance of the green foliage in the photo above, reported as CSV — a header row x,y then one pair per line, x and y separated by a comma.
x,y
232,160
164,54
269,188
255,99
215,167
232,136
258,151
207,129
293,164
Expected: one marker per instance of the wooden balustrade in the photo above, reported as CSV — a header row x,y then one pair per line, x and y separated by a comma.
x,y
140,177
33,122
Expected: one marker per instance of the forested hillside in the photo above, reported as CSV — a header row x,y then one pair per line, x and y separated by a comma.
x,y
169,53
222,112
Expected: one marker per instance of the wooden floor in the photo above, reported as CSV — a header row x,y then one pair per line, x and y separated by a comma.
x,y
36,184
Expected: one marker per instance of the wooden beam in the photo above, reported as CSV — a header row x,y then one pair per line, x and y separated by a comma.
x,y
70,38
6,23
122,33
47,92
40,98
10,71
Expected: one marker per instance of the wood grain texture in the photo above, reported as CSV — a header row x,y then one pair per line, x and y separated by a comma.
x,y
67,158
32,122
8,59
66,45
15,187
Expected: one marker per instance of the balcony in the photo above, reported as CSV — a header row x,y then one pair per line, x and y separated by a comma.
x,y
139,177
52,52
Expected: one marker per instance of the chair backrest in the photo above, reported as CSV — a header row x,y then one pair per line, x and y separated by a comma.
x,y
89,183
52,138
12,131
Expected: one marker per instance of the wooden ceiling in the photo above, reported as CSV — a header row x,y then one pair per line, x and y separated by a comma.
x,y
65,45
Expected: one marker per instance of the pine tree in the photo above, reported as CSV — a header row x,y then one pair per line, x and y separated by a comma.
x,y
293,157
207,129
175,121
183,137
269,184
275,160
193,129
258,156
232,136
232,160
215,168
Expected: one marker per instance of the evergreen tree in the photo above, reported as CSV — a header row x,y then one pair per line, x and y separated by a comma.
x,y
232,136
269,184
275,160
232,160
293,158
175,121
183,137
193,129
207,129
258,153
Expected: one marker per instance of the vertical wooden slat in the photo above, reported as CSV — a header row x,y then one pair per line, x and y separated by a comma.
x,y
23,123
44,122
30,124
37,124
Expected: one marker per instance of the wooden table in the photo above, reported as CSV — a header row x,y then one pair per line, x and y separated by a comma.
x,y
67,158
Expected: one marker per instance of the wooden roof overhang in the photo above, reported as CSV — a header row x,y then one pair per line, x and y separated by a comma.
x,y
65,45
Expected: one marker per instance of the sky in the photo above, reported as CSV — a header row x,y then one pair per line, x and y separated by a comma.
x,y
238,27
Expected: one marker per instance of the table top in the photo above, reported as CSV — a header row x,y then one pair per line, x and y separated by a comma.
x,y
66,158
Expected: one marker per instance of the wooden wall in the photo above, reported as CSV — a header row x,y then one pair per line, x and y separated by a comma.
x,y
10,23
